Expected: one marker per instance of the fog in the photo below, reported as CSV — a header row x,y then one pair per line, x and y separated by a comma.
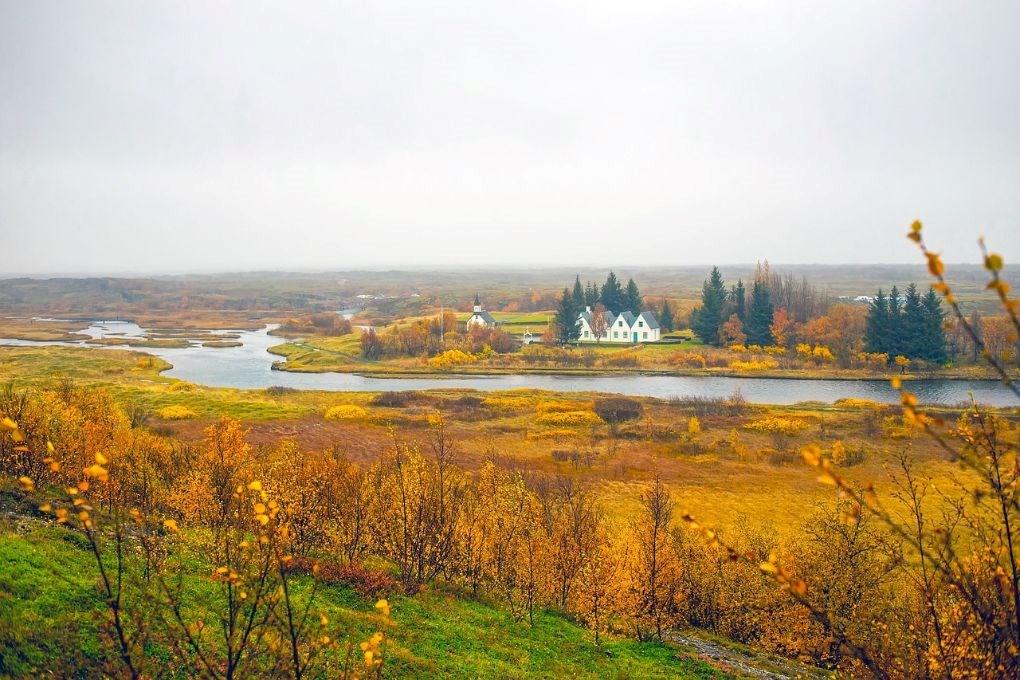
x,y
212,136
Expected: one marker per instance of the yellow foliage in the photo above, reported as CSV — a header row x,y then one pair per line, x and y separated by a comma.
x,y
693,425
762,365
851,402
346,412
544,407
176,413
777,425
508,403
569,419
451,358
182,386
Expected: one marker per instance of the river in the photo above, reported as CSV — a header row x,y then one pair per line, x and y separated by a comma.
x,y
250,367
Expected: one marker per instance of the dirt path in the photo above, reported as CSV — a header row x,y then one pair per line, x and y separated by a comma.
x,y
742,662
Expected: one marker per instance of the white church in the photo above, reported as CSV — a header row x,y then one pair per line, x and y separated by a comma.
x,y
622,327
479,317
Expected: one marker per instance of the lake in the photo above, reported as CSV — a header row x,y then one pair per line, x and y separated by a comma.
x,y
250,367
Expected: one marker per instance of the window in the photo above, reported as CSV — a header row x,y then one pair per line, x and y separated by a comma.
x,y
645,335
641,323
616,334
586,334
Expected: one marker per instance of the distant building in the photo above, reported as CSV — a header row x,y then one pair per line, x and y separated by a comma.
x,y
624,327
480,317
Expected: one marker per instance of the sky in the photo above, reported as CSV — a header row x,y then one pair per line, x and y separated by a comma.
x,y
168,137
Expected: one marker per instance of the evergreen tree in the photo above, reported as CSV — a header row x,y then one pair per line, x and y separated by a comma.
x,y
591,295
578,294
935,333
706,319
758,325
913,327
877,330
894,325
612,294
567,329
666,317
737,299
632,298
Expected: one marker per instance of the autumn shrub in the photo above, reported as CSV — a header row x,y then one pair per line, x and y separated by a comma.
x,y
280,391
569,419
346,412
615,410
621,360
176,412
508,404
757,365
788,426
451,358
182,386
564,406
400,399
366,582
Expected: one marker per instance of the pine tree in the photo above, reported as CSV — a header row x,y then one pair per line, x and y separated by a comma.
x,y
578,293
706,319
894,325
913,327
935,333
632,298
567,329
612,294
591,295
737,298
877,330
666,317
758,325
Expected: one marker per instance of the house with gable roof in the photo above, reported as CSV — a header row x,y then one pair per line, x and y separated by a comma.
x,y
625,327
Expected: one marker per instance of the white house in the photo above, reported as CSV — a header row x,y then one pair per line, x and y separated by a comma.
x,y
625,327
480,317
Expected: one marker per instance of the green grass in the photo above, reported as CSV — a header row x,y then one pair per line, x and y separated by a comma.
x,y
50,613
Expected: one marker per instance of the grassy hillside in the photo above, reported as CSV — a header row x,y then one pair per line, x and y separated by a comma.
x,y
50,613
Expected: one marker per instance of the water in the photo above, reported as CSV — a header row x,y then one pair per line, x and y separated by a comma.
x,y
250,367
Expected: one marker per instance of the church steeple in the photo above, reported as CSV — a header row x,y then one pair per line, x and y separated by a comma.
x,y
478,304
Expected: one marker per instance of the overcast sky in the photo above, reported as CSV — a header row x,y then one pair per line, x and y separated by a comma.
x,y
197,136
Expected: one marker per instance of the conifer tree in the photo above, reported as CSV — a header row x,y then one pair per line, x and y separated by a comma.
x,y
632,298
706,319
758,324
935,333
578,294
666,317
737,299
591,295
894,324
612,294
876,334
567,329
913,327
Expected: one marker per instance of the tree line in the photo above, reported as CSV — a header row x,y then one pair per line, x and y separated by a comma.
x,y
908,325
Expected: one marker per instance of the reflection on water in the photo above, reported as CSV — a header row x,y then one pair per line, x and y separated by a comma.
x,y
250,367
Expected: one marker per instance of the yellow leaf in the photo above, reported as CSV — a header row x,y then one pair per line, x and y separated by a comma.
x,y
171,526
101,459
26,484
255,486
993,262
935,265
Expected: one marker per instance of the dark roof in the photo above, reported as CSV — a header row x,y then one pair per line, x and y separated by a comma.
x,y
477,301
650,319
485,316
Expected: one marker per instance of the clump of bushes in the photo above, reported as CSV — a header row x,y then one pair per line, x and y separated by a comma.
x,y
183,386
400,399
760,365
452,358
851,402
544,407
279,390
368,583
778,425
569,419
616,410
176,413
346,412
